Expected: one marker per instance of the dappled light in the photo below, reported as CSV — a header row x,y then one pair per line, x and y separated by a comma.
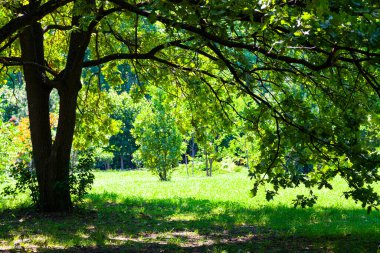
x,y
120,221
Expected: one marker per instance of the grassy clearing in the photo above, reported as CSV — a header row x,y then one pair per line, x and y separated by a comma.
x,y
134,211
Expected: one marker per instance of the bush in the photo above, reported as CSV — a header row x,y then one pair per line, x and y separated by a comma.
x,y
81,176
24,175
158,138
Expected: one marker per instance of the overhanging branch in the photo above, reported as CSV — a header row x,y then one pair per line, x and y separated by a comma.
x,y
36,14
17,61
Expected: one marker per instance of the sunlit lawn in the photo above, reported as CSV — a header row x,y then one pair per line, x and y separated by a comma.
x,y
133,211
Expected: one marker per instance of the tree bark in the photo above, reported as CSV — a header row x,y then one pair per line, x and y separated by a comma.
x,y
121,163
192,153
211,161
186,163
206,158
52,161
38,93
59,161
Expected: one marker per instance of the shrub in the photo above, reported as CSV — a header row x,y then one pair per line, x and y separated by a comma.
x,y
25,179
158,138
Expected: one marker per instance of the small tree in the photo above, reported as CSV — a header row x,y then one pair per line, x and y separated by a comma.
x,y
158,138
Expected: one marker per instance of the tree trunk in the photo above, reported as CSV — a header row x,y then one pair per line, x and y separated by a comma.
x,y
121,163
211,161
38,93
193,153
186,163
52,161
164,174
207,174
59,162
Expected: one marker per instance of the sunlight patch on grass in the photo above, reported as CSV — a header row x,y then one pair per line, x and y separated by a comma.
x,y
183,217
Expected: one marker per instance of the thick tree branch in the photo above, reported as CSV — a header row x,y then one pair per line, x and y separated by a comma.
x,y
371,81
125,56
9,43
17,61
57,27
36,14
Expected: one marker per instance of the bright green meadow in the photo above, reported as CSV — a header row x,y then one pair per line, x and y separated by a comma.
x,y
131,211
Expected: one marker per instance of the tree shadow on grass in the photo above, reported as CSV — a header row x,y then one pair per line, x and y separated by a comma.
x,y
107,223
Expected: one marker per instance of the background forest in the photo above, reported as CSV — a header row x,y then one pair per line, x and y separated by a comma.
x,y
112,123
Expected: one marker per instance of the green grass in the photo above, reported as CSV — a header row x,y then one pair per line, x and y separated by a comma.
x,y
133,211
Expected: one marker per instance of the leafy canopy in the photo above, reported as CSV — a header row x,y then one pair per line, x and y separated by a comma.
x,y
303,75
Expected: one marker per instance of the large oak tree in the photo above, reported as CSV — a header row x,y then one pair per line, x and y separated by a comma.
x,y
307,72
